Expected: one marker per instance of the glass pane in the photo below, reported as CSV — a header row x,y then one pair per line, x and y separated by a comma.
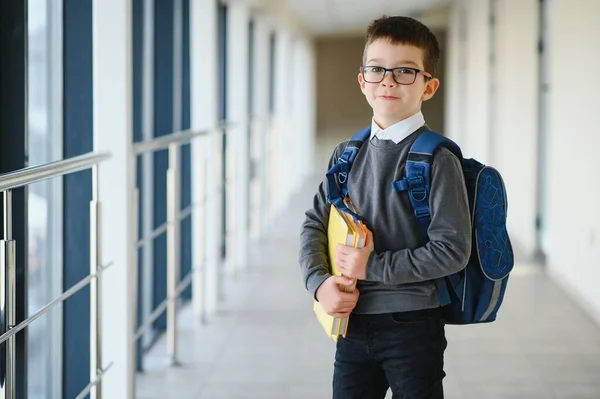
x,y
44,201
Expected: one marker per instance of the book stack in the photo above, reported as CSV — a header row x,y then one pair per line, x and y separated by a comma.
x,y
341,229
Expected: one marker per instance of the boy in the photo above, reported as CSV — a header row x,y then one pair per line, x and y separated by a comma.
x,y
396,333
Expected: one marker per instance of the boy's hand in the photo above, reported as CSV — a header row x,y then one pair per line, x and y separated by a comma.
x,y
336,303
352,262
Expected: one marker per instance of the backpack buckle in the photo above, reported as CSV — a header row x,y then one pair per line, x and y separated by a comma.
x,y
342,176
418,194
409,183
422,212
415,181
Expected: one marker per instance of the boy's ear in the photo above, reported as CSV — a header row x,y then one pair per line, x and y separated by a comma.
x,y
432,85
361,82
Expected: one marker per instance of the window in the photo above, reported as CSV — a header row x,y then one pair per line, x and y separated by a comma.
x,y
44,198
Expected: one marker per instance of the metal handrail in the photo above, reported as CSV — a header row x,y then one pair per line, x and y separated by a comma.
x,y
163,227
24,177
65,295
95,382
35,174
160,230
160,309
171,142
182,137
163,142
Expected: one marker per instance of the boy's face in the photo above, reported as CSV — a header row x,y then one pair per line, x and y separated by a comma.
x,y
393,102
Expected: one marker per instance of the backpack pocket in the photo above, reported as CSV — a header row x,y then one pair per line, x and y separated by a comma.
x,y
494,249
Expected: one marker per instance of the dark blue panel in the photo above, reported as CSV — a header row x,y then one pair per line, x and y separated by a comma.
x,y
186,117
137,49
13,156
137,61
163,124
78,139
186,168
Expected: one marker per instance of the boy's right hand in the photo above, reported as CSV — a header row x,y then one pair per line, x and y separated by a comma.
x,y
337,303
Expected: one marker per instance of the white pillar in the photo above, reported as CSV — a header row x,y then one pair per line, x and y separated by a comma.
x,y
262,113
112,88
283,85
311,106
237,139
206,231
456,78
516,116
301,111
304,110
477,72
294,131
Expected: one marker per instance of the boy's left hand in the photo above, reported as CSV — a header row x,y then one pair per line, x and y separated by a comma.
x,y
352,262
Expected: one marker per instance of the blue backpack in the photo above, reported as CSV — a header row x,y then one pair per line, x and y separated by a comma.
x,y
474,294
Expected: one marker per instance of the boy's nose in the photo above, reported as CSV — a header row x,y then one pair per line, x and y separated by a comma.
x,y
388,79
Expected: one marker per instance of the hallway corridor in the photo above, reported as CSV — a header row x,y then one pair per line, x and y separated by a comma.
x,y
264,343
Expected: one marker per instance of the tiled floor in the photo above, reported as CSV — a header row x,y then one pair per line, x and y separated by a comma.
x,y
264,342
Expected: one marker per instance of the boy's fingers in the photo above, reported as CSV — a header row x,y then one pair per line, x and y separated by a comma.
x,y
349,298
342,280
341,315
344,249
344,308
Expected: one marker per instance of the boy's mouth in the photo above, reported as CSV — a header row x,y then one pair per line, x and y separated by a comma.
x,y
388,97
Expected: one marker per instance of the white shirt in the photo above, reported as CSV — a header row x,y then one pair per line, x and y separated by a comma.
x,y
400,130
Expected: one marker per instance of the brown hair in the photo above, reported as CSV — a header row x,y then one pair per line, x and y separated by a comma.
x,y
405,30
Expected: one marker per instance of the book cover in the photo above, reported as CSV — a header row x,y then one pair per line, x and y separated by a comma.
x,y
341,229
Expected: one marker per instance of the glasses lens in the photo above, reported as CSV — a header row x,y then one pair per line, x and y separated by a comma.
x,y
373,74
405,76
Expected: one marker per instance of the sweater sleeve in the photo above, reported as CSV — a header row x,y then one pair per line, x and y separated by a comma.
x,y
313,257
449,245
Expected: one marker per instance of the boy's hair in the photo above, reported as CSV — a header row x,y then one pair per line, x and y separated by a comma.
x,y
405,30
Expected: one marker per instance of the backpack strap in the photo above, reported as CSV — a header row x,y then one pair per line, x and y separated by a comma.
x,y
417,182
337,176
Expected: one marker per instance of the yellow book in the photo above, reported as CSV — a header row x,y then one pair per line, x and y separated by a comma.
x,y
341,229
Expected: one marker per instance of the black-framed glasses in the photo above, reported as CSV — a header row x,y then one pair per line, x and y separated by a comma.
x,y
402,75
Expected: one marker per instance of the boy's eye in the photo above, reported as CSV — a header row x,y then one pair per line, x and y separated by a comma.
x,y
376,69
405,71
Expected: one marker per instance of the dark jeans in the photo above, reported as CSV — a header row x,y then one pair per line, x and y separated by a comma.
x,y
404,351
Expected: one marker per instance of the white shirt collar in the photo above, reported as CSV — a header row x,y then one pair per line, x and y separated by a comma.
x,y
400,130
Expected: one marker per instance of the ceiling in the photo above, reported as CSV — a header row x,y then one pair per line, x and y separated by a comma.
x,y
342,17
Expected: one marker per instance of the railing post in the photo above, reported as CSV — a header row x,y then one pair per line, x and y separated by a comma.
x,y
220,208
199,190
95,289
173,243
133,287
7,300
230,193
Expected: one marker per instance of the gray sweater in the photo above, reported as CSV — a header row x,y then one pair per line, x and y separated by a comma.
x,y
400,269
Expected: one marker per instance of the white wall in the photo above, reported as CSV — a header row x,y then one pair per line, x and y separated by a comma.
x,y
455,78
572,218
477,82
500,126
573,190
515,116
